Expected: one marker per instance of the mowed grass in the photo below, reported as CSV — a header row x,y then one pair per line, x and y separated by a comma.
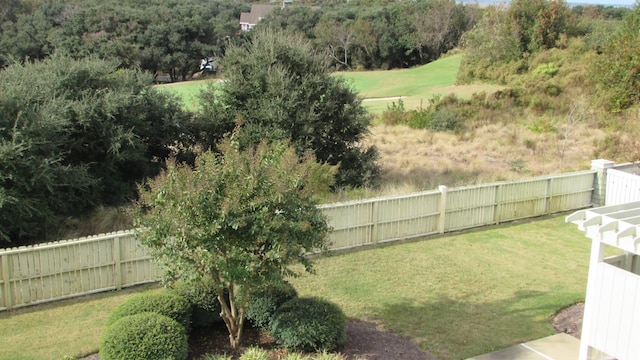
x,y
416,85
187,90
65,328
457,295
464,294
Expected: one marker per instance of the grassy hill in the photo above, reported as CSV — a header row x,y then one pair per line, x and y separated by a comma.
x,y
415,86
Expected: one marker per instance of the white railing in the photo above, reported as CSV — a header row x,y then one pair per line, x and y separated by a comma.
x,y
614,327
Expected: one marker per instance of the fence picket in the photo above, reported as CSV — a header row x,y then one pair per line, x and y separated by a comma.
x,y
6,284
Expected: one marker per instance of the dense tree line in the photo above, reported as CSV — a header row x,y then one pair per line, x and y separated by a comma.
x,y
157,36
377,34
172,36
617,68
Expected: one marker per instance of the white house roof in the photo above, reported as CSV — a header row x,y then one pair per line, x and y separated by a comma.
x,y
258,11
615,225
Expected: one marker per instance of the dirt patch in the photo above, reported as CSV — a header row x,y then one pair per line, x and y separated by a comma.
x,y
367,341
569,320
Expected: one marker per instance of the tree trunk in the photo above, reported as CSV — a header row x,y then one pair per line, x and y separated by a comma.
x,y
233,317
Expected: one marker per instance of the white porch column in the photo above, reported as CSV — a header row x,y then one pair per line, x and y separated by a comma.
x,y
597,255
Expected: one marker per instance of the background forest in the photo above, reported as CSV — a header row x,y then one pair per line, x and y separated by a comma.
x,y
81,122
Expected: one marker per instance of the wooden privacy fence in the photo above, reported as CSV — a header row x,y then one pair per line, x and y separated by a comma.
x,y
395,218
42,273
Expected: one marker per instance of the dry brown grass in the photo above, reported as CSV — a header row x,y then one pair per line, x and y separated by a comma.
x,y
413,159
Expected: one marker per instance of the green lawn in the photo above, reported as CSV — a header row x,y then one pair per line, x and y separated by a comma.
x,y
417,85
187,90
457,295
405,82
64,328
464,294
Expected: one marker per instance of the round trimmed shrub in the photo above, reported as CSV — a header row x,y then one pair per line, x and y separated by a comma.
x,y
266,300
309,324
203,297
144,336
171,305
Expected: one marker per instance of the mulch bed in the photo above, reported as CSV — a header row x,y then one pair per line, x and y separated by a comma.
x,y
365,340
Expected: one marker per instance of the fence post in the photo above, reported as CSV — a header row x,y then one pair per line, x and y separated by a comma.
x,y
497,200
374,222
547,200
4,260
117,263
599,195
442,207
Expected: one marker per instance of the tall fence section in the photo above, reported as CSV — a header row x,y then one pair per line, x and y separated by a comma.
x,y
623,184
48,272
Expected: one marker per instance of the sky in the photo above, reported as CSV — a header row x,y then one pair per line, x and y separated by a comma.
x,y
604,2
593,2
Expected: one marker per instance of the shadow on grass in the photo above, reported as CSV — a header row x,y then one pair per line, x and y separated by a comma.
x,y
460,328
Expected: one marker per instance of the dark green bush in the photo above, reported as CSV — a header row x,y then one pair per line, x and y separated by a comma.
x,y
203,297
266,300
420,119
167,304
309,324
443,120
144,336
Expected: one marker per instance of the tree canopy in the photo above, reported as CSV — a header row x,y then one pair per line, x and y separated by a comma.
x,y
378,34
277,87
75,134
240,217
172,36
617,69
158,36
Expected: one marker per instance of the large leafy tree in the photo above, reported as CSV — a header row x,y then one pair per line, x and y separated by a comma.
x,y
75,134
180,33
27,37
293,19
239,217
280,88
617,69
491,42
538,23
